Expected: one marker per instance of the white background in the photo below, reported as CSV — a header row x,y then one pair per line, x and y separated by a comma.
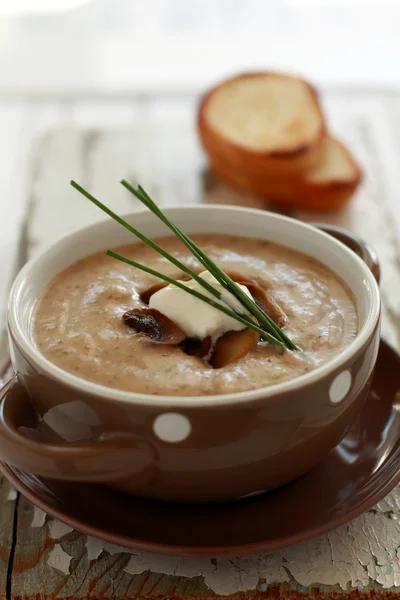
x,y
108,46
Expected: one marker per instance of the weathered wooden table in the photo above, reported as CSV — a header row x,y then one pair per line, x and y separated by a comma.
x,y
45,142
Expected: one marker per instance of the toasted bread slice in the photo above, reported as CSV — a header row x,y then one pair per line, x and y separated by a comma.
x,y
324,187
270,120
330,184
298,164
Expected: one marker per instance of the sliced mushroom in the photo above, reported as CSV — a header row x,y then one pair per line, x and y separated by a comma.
x,y
239,278
261,298
154,325
147,294
266,304
232,346
197,347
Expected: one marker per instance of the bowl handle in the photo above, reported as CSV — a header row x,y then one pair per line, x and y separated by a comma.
x,y
97,461
355,243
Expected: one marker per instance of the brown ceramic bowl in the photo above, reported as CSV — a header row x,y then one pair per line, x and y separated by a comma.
x,y
196,449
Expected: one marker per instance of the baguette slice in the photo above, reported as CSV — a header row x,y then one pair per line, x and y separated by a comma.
x,y
325,187
268,120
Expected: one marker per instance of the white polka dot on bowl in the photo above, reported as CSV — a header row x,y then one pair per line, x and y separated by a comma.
x,y
172,427
340,387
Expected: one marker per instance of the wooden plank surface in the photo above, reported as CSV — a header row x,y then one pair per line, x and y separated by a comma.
x,y
154,141
52,559
9,501
8,498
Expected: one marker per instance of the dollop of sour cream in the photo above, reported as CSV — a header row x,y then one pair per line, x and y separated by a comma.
x,y
196,318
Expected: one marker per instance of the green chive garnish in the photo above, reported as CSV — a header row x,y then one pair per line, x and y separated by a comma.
x,y
219,275
261,322
197,294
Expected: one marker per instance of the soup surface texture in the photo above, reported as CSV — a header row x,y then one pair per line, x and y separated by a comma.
x,y
78,322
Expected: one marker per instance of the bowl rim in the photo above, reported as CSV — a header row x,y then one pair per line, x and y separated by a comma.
x,y
30,351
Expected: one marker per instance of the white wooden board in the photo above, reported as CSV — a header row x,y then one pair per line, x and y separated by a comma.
x,y
153,142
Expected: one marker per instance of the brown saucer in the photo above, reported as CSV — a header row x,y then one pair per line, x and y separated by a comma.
x,y
355,476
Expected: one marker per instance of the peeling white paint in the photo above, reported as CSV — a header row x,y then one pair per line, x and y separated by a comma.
x,y
59,559
390,503
95,547
12,494
272,568
113,548
146,561
353,556
193,567
39,517
57,529
233,575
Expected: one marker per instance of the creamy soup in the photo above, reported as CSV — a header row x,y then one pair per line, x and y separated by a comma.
x,y
78,321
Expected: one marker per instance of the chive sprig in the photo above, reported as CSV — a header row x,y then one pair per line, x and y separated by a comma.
x,y
260,322
210,301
